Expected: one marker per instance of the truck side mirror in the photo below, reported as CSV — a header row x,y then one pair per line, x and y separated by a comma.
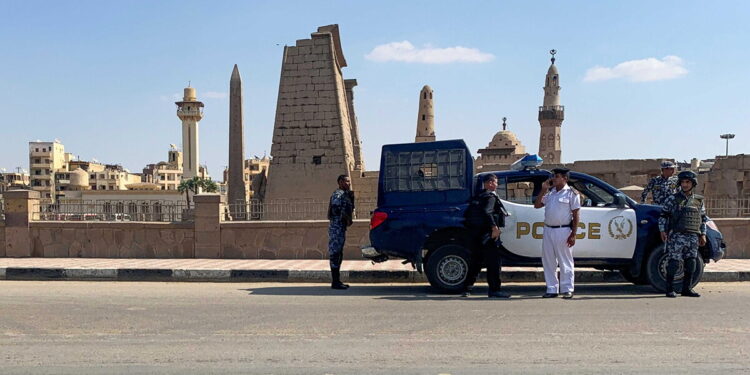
x,y
620,200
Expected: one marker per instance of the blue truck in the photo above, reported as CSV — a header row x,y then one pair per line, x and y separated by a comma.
x,y
424,189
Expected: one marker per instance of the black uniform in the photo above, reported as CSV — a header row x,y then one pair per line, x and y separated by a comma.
x,y
485,211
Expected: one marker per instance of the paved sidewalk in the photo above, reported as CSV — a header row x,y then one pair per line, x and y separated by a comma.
x,y
283,270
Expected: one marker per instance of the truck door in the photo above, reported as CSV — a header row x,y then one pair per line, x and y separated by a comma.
x,y
604,231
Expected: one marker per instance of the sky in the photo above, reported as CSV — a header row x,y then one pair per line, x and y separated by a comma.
x,y
640,79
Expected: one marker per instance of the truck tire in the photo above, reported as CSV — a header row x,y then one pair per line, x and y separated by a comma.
x,y
656,270
447,267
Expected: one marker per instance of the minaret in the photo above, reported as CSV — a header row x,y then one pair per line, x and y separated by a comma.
x,y
426,119
236,193
551,116
190,111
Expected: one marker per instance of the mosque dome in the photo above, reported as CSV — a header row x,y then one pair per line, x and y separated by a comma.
x,y
79,178
504,139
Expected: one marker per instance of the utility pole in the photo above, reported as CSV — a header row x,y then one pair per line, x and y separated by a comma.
x,y
727,136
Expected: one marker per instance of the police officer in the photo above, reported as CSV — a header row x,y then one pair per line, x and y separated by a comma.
x,y
561,206
340,214
683,227
484,218
661,186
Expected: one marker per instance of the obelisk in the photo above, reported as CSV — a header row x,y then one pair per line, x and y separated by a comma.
x,y
236,184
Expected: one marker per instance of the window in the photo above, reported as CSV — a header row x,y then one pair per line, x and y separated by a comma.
x,y
592,195
317,160
423,117
424,95
425,170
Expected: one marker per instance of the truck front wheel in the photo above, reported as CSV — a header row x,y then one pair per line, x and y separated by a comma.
x,y
656,271
447,267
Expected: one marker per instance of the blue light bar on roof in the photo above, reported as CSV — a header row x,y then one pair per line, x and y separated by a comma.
x,y
532,161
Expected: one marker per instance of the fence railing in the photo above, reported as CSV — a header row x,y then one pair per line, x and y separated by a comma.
x,y
136,210
290,209
726,207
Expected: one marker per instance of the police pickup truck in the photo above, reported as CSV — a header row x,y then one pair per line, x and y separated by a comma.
x,y
424,189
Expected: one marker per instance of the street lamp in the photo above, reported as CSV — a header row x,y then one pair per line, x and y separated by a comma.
x,y
727,137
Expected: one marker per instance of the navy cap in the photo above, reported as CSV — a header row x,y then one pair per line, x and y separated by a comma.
x,y
561,170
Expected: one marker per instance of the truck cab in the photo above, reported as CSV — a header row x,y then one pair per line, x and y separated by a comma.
x,y
424,189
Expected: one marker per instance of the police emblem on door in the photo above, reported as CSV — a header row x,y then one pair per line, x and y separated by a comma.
x,y
620,228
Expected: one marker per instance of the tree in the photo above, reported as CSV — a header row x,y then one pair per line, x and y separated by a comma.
x,y
185,187
209,186
195,185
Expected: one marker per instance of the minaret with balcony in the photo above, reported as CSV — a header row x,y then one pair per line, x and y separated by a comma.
x,y
551,116
190,111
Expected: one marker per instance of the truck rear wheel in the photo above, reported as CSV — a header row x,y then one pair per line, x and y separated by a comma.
x,y
656,271
447,267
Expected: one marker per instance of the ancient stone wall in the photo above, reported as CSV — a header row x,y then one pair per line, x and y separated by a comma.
x,y
111,240
2,238
288,240
365,186
729,178
735,233
312,138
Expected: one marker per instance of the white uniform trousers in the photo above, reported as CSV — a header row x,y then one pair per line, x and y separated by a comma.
x,y
555,251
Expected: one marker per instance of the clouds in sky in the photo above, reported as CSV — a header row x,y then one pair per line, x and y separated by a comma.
x,y
644,70
406,52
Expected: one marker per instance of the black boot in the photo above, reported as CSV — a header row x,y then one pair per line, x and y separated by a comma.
x,y
336,279
687,279
672,267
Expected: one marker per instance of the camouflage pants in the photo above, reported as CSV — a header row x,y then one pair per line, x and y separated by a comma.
x,y
682,246
336,239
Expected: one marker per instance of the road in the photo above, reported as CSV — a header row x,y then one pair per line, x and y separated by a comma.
x,y
267,328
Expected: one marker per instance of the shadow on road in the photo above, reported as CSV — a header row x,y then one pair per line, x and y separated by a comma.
x,y
409,292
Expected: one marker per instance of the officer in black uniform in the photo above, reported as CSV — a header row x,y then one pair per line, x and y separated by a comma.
x,y
484,218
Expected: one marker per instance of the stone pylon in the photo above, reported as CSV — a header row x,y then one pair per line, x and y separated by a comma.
x,y
236,179
314,137
551,116
426,118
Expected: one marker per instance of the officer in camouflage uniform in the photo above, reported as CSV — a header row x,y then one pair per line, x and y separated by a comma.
x,y
340,215
683,227
662,186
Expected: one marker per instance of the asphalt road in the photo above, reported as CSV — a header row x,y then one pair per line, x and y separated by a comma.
x,y
264,328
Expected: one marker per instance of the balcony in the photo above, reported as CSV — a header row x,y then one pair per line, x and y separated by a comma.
x,y
560,108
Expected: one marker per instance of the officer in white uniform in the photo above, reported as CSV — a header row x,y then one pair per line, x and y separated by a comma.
x,y
561,205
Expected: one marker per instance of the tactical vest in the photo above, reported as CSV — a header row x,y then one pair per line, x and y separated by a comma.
x,y
474,214
688,215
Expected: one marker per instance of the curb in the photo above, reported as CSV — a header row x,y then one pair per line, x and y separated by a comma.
x,y
307,276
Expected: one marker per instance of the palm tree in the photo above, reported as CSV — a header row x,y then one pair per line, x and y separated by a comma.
x,y
185,187
195,185
209,186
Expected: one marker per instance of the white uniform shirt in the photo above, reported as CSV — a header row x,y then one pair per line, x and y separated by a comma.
x,y
559,206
